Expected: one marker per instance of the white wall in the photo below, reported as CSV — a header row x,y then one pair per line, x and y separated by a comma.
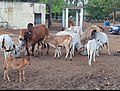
x,y
19,14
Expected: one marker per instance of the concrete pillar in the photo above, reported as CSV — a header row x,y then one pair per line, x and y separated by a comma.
x,y
66,18
81,18
63,17
76,18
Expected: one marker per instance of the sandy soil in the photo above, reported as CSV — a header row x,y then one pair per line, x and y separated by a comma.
x,y
46,73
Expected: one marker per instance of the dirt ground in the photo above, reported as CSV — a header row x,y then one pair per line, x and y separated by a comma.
x,y
46,73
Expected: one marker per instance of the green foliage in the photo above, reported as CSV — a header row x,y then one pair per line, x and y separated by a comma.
x,y
56,5
101,8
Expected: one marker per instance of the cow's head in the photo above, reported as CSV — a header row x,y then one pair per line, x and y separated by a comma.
x,y
12,50
24,37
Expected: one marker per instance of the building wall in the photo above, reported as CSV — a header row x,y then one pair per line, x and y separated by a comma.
x,y
19,14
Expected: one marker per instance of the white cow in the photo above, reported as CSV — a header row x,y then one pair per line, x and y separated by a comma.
x,y
75,29
104,39
75,39
92,48
8,46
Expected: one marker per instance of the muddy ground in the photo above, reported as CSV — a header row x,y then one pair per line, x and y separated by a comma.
x,y
46,73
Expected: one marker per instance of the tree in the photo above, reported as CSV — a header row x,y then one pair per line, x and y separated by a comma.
x,y
50,14
99,9
113,7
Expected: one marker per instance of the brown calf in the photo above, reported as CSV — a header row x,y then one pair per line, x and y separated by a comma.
x,y
57,41
16,63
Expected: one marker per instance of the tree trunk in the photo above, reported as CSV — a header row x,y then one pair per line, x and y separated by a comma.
x,y
114,16
50,14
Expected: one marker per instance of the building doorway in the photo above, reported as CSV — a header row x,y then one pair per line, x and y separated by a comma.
x,y
37,18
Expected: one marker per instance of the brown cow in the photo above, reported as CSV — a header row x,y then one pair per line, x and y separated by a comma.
x,y
32,35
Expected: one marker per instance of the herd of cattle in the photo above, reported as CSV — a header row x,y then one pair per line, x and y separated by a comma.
x,y
90,42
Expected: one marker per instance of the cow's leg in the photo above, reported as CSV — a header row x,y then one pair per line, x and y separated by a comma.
x,y
28,53
45,45
6,73
33,46
59,48
67,52
70,54
94,56
4,77
55,53
107,45
20,75
42,48
73,48
97,52
48,47
23,73
90,58
58,52
38,45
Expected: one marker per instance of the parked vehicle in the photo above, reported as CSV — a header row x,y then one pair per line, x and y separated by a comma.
x,y
115,29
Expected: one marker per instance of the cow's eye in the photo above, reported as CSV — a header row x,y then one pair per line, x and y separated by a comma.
x,y
21,39
98,40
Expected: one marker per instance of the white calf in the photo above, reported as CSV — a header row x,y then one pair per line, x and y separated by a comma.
x,y
92,47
